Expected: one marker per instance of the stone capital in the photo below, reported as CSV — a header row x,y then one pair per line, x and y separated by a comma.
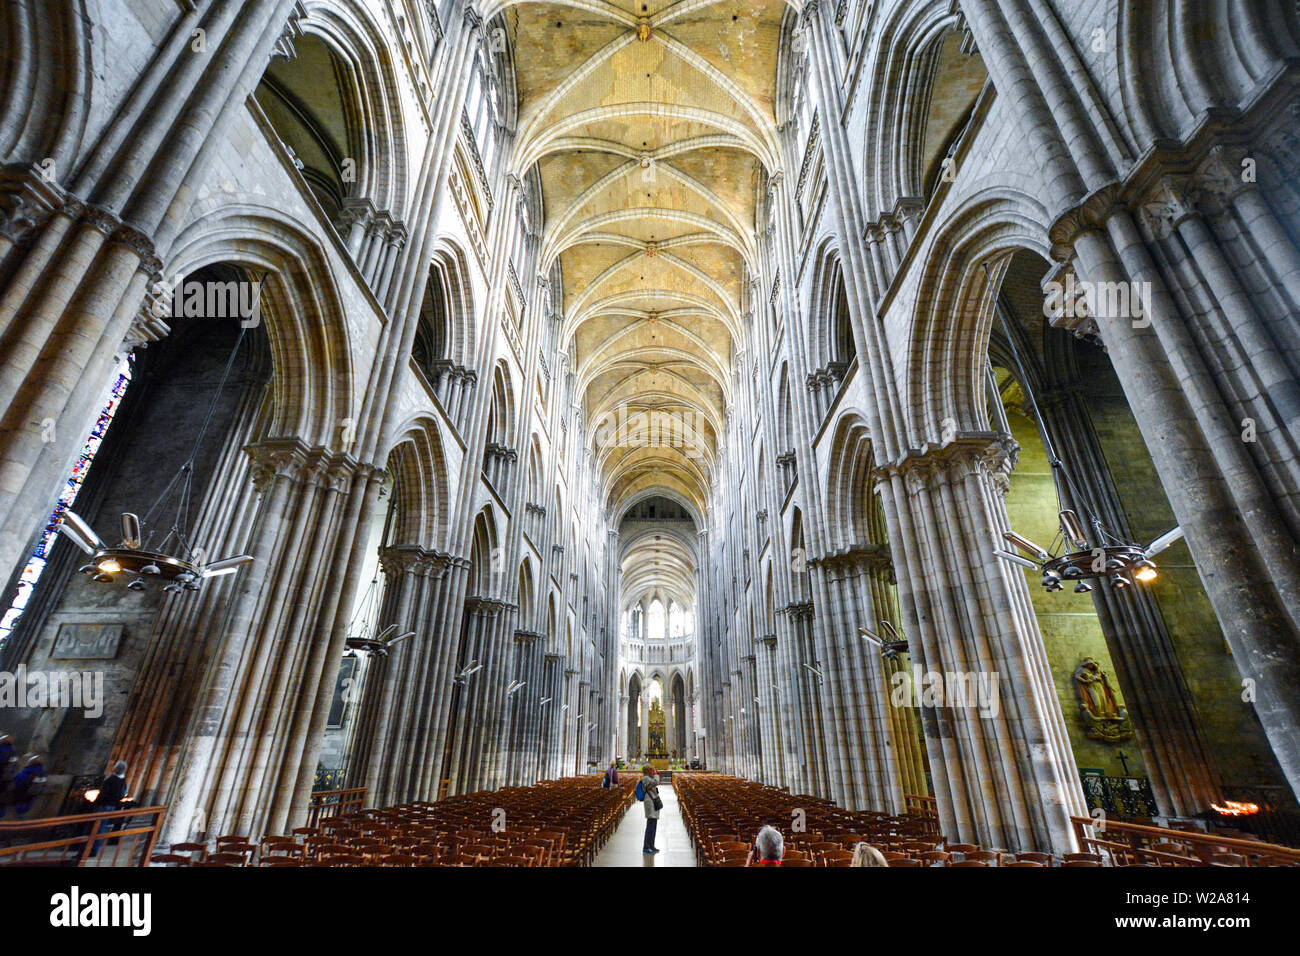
x,y
799,611
1167,206
485,606
277,458
400,559
855,559
1089,214
990,454
27,199
1218,180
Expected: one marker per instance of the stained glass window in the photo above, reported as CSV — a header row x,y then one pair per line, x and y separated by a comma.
x,y
67,495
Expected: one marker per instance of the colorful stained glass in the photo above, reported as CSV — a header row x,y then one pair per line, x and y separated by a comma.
x,y
67,494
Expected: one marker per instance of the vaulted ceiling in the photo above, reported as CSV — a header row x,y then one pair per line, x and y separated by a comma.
x,y
651,124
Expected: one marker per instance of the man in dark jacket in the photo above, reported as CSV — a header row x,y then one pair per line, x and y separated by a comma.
x,y
113,789
111,792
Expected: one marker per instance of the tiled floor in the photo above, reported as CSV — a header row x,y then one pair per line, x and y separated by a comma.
x,y
624,847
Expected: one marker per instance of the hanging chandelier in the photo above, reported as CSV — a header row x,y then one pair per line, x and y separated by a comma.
x,y
1074,555
891,645
360,636
173,562
381,644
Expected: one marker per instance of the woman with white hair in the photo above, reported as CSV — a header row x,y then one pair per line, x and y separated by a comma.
x,y
864,854
769,846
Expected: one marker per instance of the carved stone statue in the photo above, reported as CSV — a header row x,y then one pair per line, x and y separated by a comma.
x,y
1104,717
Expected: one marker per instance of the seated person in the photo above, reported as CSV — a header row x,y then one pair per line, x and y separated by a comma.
x,y
864,854
769,846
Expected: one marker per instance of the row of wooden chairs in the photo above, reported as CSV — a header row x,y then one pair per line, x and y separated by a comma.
x,y
554,823
723,814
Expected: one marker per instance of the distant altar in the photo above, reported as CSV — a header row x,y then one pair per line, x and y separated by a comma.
x,y
658,747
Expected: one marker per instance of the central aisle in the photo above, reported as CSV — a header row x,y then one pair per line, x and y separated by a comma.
x,y
624,847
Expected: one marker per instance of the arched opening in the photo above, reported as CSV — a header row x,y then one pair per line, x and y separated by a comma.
x,y
431,350
1161,663
953,74
679,731
656,720
655,621
182,410
634,722
843,349
312,103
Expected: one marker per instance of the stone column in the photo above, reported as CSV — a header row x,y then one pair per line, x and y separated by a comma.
x,y
250,732
644,727
768,702
1243,552
403,688
480,616
1004,774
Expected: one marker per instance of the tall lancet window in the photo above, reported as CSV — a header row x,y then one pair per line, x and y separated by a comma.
x,y
655,621
67,495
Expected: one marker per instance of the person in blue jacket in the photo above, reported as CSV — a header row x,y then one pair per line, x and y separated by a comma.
x,y
25,785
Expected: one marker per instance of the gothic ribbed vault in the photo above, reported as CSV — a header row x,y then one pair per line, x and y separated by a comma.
x,y
651,126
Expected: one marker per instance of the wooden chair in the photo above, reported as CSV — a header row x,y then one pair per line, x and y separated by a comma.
x,y
196,851
969,863
477,850
824,847
1087,857
245,850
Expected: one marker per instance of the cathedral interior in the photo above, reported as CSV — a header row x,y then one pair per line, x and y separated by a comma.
x,y
888,407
